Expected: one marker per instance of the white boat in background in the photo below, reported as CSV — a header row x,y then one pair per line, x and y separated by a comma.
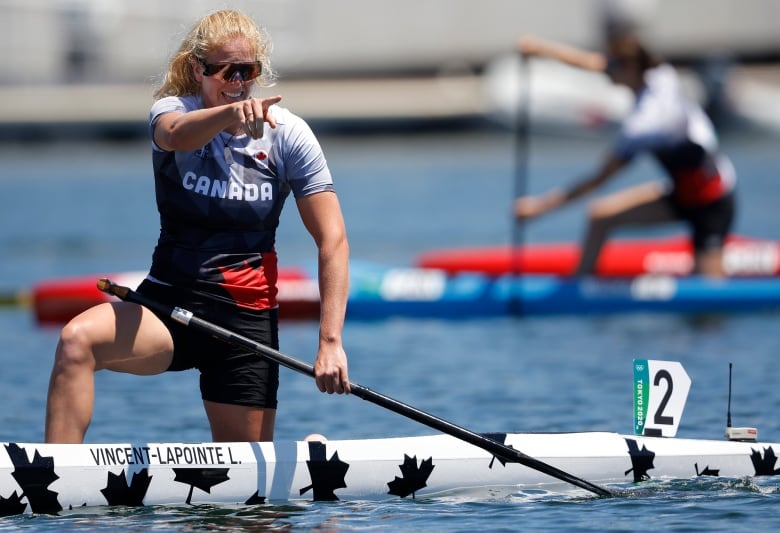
x,y
48,478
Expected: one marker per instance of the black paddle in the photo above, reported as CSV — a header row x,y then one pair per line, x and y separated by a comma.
x,y
501,451
522,128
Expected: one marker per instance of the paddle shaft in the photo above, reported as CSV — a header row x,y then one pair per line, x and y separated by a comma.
x,y
498,449
521,138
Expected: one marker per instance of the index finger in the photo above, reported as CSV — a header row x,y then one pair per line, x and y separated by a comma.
x,y
266,104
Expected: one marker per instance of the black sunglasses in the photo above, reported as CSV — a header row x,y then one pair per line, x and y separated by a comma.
x,y
228,71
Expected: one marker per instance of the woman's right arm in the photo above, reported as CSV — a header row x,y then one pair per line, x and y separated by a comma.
x,y
527,207
534,46
190,131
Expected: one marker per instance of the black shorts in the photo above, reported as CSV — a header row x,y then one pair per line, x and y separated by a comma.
x,y
711,223
228,374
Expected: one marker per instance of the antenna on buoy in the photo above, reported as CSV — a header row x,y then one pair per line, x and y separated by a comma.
x,y
739,434
728,409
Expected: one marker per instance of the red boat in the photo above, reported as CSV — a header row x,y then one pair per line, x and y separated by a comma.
x,y
58,300
620,257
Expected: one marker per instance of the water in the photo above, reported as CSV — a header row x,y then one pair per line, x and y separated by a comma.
x,y
72,209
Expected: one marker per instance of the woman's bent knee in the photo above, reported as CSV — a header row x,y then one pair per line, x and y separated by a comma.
x,y
75,346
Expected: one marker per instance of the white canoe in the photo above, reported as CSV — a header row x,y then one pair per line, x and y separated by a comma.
x,y
47,478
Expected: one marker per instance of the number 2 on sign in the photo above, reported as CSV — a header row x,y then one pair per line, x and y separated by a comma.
x,y
660,418
660,391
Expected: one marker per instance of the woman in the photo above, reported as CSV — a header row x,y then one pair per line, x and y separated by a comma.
x,y
667,125
221,179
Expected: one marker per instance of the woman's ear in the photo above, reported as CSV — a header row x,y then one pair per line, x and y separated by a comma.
x,y
197,70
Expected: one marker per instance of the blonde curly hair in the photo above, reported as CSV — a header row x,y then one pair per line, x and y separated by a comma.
x,y
207,34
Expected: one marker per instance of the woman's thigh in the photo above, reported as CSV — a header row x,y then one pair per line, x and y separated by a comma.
x,y
125,337
239,423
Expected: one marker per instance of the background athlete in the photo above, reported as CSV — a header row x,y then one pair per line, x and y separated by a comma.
x,y
665,123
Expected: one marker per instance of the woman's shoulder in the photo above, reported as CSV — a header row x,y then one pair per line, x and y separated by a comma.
x,y
283,116
662,77
289,126
176,103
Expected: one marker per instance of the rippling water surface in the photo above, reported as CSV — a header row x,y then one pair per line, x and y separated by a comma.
x,y
77,209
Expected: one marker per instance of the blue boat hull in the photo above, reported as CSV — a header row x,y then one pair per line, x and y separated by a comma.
x,y
380,292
